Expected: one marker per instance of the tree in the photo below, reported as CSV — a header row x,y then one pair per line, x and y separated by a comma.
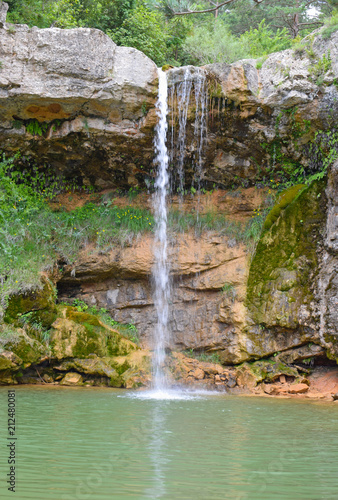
x,y
145,30
186,7
290,14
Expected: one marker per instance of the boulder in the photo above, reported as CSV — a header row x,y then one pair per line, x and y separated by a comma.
x,y
77,334
298,388
79,84
72,379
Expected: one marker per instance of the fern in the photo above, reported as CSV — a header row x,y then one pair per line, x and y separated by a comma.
x,y
34,127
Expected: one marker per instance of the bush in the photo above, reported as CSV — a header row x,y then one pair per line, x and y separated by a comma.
x,y
144,30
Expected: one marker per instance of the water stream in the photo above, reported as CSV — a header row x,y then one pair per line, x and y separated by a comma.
x,y
160,270
194,81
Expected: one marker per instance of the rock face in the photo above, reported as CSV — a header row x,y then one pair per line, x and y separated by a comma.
x,y
327,288
92,96
74,100
201,316
264,116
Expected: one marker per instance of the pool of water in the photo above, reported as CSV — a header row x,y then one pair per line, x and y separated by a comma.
x,y
100,444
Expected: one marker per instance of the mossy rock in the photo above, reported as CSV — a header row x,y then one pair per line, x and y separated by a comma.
x,y
21,350
78,335
251,374
40,302
285,262
285,198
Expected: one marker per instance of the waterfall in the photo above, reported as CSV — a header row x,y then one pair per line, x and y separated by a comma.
x,y
194,81
188,87
160,270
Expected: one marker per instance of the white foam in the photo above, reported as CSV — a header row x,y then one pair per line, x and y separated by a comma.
x,y
172,394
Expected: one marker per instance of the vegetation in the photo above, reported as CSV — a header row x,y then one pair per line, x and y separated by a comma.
x,y
212,357
127,330
212,32
34,237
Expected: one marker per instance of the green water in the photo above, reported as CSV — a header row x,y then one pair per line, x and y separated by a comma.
x,y
100,444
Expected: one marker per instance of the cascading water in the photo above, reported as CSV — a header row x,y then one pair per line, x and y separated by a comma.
x,y
179,99
188,87
161,264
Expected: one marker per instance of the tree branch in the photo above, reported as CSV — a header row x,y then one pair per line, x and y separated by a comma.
x,y
218,6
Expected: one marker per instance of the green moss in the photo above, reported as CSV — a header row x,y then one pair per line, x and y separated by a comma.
x,y
269,370
39,301
78,334
285,198
116,381
285,260
89,320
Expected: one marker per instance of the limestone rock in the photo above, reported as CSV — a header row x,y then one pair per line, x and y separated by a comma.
x,y
298,388
300,353
3,13
91,87
327,285
97,101
72,378
21,351
77,335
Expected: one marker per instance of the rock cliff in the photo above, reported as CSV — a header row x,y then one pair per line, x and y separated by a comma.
x,y
74,100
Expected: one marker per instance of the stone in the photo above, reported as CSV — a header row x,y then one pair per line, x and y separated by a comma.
x,y
298,388
327,284
299,354
47,378
77,335
72,378
272,389
21,351
39,301
198,374
104,96
335,396
79,83
3,13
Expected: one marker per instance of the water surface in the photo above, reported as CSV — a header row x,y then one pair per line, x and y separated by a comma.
x,y
102,444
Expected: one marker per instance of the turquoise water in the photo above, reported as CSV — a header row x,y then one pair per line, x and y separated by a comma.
x,y
100,444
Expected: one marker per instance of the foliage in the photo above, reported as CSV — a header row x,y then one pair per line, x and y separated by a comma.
x,y
215,43
127,330
331,25
144,30
106,14
34,127
318,70
263,40
229,291
212,357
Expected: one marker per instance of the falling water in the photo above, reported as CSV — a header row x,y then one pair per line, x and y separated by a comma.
x,y
161,265
179,99
193,82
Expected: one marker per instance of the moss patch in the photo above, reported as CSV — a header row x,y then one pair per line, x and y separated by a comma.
x,y
78,335
39,301
285,198
285,261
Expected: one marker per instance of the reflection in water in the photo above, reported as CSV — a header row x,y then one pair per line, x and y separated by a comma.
x,y
157,453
